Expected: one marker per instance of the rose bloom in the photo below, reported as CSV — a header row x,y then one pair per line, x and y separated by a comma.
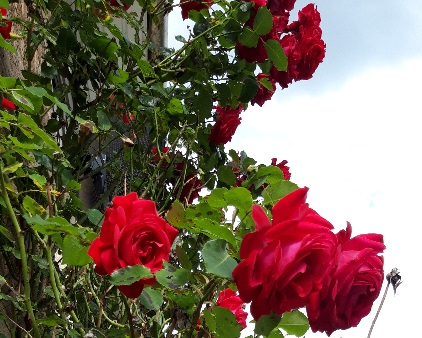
x,y
132,234
227,122
189,5
286,260
229,300
263,94
355,285
115,3
8,104
6,25
283,168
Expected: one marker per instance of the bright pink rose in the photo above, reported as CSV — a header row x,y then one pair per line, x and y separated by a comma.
x,y
115,3
5,25
189,5
283,167
229,300
227,122
132,234
263,94
356,283
8,104
286,260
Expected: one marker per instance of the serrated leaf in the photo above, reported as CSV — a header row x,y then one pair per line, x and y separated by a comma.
x,y
274,192
263,21
94,216
266,324
130,275
38,180
51,225
146,69
74,252
175,107
150,298
216,198
176,214
216,259
214,230
295,323
248,38
239,197
276,54
227,327
172,277
23,100
225,174
32,207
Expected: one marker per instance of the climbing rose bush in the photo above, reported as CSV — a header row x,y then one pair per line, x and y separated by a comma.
x,y
132,234
285,260
354,286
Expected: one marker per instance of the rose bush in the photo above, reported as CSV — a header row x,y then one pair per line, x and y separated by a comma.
x,y
229,300
355,284
284,261
132,234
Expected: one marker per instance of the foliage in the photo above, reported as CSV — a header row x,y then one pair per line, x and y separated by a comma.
x,y
108,114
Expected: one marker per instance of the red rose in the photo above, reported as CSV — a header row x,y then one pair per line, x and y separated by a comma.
x,y
285,260
8,104
283,167
115,3
5,25
355,285
227,122
280,6
189,5
263,94
132,234
229,300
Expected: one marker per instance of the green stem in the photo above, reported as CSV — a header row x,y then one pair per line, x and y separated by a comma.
x,y
22,249
379,310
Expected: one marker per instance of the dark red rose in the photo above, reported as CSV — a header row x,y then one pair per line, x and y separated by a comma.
x,y
115,3
312,52
356,283
263,94
309,19
5,25
8,104
286,260
227,122
162,156
283,167
121,111
191,188
189,5
132,234
229,300
280,6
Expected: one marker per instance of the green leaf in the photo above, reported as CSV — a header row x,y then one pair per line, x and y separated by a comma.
x,y
103,120
74,252
36,91
38,180
12,168
276,54
263,21
118,76
51,225
7,82
249,89
216,259
175,107
176,215
32,207
227,327
248,38
225,174
214,230
239,197
274,192
150,298
183,258
266,83
95,216
210,320
266,324
146,69
130,275
5,232
23,100
171,277
295,323
216,199
4,4
6,45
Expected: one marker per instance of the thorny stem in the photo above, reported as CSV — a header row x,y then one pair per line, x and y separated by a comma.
x,y
21,243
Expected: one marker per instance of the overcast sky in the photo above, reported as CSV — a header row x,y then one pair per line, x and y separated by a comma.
x,y
352,134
